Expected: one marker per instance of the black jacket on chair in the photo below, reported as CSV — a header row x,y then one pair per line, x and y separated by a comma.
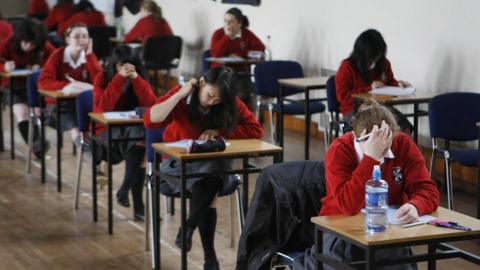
x,y
286,196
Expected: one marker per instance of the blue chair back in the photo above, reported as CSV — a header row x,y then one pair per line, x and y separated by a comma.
x,y
205,64
33,98
268,73
332,102
154,135
453,116
84,104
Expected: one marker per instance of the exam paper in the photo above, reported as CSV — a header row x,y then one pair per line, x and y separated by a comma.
x,y
392,220
120,115
184,143
393,91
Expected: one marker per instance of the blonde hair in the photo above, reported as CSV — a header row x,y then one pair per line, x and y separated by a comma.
x,y
371,113
73,26
153,8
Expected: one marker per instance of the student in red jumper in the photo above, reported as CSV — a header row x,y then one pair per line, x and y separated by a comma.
x,y
152,25
38,7
6,28
69,66
234,39
85,13
122,88
367,68
202,109
26,48
60,13
349,165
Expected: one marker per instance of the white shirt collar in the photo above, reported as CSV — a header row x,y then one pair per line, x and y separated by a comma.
x,y
238,35
67,58
358,150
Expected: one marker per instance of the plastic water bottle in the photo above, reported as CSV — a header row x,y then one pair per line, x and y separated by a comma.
x,y
268,49
376,202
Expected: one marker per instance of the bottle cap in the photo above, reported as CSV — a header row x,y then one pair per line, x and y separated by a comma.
x,y
376,174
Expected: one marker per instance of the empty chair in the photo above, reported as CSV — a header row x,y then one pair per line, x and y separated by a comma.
x,y
162,53
453,117
101,35
266,76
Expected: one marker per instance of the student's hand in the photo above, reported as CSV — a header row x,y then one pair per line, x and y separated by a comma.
x,y
230,32
378,142
404,84
208,134
89,48
128,71
9,66
408,213
377,84
35,67
187,88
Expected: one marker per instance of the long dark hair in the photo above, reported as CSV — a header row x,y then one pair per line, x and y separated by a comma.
x,y
120,55
222,115
239,16
84,5
33,31
368,46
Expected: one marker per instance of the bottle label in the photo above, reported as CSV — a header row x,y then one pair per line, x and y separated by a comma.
x,y
377,199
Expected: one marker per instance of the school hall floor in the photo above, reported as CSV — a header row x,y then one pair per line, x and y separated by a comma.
x,y
39,229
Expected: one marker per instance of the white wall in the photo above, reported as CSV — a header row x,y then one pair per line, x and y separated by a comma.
x,y
435,44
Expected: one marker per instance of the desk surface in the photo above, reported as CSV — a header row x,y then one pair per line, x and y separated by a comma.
x,y
353,227
233,60
57,94
418,97
247,147
23,74
308,82
99,117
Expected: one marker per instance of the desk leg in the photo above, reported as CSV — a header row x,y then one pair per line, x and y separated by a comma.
x,y
280,121
370,259
245,188
307,124
183,181
1,127
59,147
155,216
109,173
42,138
415,122
94,174
12,126
318,248
432,263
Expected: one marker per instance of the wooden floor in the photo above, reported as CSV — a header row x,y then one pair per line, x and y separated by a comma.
x,y
40,230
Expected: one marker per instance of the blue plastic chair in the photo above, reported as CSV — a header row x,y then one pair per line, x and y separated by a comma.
x,y
266,76
33,100
205,64
453,117
333,107
84,106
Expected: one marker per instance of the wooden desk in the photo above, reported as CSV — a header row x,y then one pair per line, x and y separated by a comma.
x,y
305,84
233,60
64,103
109,124
352,229
239,149
415,100
11,77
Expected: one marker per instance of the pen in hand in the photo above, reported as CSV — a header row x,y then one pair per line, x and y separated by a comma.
x,y
366,136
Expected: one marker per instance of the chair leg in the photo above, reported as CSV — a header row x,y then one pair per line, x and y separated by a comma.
x,y
148,214
232,229
30,141
79,177
326,139
166,202
432,160
448,179
240,210
259,103
74,149
273,132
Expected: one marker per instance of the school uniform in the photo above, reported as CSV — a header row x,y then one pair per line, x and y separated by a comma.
x,y
38,7
59,15
178,127
148,27
348,169
54,77
90,18
22,60
6,30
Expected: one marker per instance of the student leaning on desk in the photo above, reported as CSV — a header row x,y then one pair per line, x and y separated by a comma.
x,y
349,164
365,69
202,109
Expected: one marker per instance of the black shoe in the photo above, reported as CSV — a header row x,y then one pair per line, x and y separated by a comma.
x,y
189,233
212,265
123,201
139,216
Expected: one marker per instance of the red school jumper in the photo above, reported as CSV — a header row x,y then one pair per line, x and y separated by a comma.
x,y
38,7
90,18
348,81
222,45
178,126
53,76
59,15
110,98
407,177
6,30
148,27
